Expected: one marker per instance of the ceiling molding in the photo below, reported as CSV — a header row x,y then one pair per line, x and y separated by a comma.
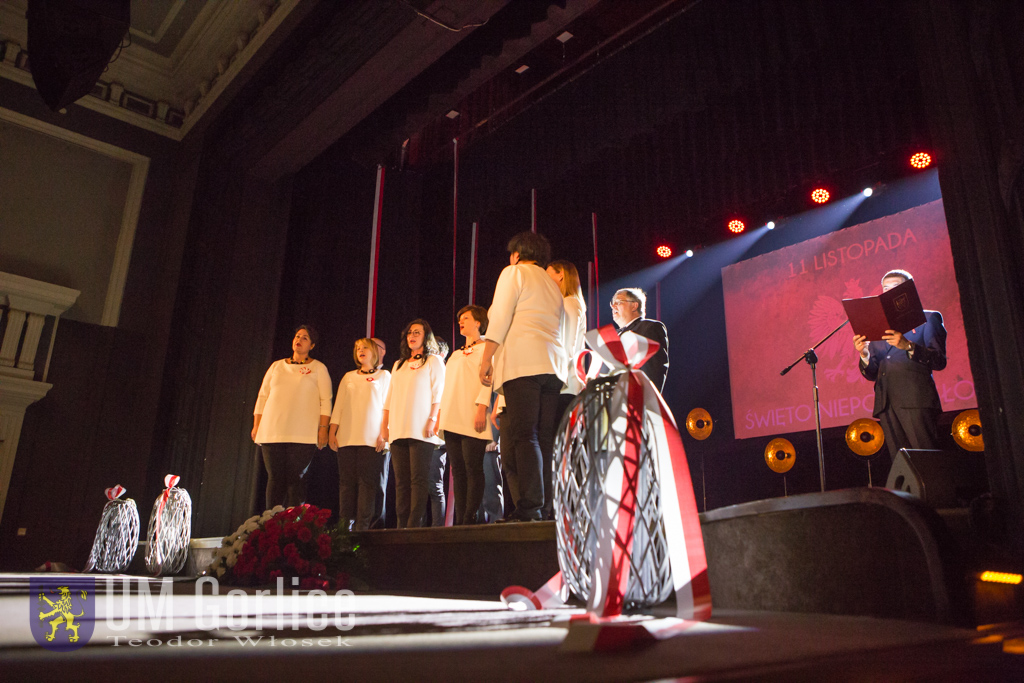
x,y
156,37
167,95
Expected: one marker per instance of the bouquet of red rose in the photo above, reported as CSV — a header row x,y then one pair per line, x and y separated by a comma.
x,y
286,543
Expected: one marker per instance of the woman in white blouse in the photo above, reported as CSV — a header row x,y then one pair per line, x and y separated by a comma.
x,y
290,419
568,280
409,421
524,339
355,436
464,416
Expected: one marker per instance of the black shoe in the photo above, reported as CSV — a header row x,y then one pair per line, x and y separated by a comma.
x,y
518,516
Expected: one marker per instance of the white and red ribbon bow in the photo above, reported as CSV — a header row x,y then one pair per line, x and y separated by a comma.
x,y
115,492
634,400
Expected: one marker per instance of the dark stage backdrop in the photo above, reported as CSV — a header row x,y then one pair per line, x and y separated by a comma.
x,y
731,107
779,304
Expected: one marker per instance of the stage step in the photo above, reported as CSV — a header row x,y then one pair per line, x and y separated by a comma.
x,y
479,560
865,551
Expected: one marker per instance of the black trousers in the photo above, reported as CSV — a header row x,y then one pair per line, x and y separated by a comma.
x,y
361,480
531,408
411,460
435,486
466,455
493,506
287,464
910,428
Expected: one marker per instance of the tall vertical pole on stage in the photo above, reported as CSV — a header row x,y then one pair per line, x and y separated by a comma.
x,y
533,210
455,233
472,264
371,297
597,284
590,292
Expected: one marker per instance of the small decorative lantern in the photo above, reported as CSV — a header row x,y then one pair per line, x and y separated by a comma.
x,y
170,529
117,537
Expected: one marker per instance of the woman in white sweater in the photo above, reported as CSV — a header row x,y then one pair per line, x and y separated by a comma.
x,y
568,280
355,436
409,421
464,416
290,419
524,338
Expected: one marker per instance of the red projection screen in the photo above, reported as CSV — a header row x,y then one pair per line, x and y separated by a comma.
x,y
780,304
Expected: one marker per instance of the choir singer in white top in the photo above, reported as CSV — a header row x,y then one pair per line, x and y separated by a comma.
x,y
524,360
356,437
464,416
290,419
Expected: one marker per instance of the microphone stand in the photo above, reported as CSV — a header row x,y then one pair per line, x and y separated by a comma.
x,y
812,360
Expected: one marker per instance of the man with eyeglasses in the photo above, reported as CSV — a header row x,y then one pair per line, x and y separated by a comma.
x,y
628,309
901,365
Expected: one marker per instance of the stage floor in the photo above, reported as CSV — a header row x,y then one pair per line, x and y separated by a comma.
x,y
396,637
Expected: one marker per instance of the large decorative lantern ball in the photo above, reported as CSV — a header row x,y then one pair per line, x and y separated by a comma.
x,y
586,446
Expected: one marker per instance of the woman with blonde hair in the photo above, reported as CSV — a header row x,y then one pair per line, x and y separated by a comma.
x,y
356,437
574,328
568,280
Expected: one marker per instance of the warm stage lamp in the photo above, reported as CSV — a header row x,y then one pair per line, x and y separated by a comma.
x,y
664,251
736,226
820,195
921,160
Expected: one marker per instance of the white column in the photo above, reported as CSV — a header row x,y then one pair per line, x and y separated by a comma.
x,y
16,395
33,330
28,303
12,337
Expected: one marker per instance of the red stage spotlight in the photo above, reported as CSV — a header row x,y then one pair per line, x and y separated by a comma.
x,y
736,226
664,251
820,196
921,160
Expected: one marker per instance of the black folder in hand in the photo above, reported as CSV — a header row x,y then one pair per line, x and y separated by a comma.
x,y
898,309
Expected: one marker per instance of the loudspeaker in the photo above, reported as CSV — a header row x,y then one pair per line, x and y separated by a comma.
x,y
70,43
942,479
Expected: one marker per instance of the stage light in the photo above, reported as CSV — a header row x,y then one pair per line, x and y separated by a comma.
x,y
523,69
867,192
771,225
921,160
452,114
689,252
664,251
820,195
736,226
1001,577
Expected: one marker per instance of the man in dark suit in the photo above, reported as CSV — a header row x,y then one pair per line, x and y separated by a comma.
x,y
901,365
628,309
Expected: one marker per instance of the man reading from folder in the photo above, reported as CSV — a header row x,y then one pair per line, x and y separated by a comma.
x,y
901,365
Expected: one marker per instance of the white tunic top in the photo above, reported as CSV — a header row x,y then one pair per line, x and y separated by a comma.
x,y
291,401
573,339
526,318
463,391
414,387
359,406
